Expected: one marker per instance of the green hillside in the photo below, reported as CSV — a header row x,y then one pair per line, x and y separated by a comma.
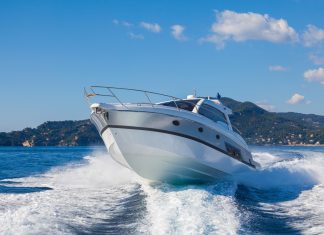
x,y
58,133
259,126
256,125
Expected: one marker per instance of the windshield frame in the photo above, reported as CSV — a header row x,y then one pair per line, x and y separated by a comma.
x,y
205,109
185,104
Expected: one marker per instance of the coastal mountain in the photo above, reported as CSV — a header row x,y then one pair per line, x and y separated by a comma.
x,y
256,125
259,126
54,133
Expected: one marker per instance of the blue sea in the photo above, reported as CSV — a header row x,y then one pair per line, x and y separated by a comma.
x,y
81,190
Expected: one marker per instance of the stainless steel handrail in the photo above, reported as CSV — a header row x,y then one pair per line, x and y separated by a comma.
x,y
112,94
145,92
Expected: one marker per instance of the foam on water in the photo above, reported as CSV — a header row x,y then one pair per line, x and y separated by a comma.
x,y
80,196
214,209
100,171
97,195
191,209
308,209
277,171
287,191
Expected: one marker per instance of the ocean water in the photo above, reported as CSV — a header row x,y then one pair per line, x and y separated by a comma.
x,y
83,191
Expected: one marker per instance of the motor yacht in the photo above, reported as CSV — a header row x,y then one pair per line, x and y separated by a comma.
x,y
175,140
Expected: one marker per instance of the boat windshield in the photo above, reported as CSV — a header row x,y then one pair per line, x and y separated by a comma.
x,y
182,104
212,113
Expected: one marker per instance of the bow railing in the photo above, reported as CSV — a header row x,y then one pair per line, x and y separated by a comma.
x,y
111,92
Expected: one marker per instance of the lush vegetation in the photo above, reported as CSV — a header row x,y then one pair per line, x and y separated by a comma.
x,y
256,125
59,133
259,126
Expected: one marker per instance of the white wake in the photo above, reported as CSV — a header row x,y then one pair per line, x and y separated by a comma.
x,y
302,176
82,195
191,209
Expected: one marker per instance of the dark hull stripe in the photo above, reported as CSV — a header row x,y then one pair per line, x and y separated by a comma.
x,y
173,133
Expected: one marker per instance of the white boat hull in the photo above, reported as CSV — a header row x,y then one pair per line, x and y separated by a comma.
x,y
166,157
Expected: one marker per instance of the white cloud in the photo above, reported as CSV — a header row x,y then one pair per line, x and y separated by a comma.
x,y
266,106
316,59
122,23
127,24
313,36
277,68
153,27
239,27
295,99
136,36
177,32
315,75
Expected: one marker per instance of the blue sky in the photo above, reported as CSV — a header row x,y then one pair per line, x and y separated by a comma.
x,y
267,52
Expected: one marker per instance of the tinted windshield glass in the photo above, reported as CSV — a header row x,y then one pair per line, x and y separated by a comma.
x,y
212,113
182,104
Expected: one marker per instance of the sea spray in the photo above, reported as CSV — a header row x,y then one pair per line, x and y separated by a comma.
x,y
87,196
98,170
278,171
90,193
204,209
285,195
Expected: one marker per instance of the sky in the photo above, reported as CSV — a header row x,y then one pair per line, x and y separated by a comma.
x,y
267,52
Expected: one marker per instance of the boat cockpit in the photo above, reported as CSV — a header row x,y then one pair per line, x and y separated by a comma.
x,y
209,108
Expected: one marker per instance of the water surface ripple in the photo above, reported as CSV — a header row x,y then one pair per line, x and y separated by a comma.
x,y
81,190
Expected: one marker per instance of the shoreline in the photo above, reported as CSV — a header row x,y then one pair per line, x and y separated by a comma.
x,y
75,146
